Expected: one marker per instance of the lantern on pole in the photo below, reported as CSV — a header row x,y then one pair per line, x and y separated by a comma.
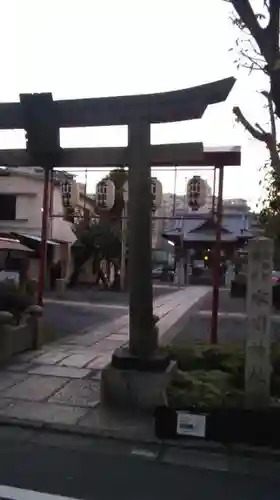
x,y
69,193
105,194
156,191
196,192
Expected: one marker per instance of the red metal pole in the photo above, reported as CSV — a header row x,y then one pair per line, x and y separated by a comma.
x,y
44,236
214,192
216,260
51,201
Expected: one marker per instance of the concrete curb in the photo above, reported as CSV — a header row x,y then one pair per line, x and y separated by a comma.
x,y
191,445
181,322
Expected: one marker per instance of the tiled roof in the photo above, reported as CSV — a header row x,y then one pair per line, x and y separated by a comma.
x,y
233,224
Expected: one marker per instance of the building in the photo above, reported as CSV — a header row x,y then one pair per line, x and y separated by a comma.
x,y
21,202
198,232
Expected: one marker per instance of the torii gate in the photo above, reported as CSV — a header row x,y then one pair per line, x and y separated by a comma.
x,y
138,112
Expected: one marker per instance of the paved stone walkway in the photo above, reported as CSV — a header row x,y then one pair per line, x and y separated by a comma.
x,y
59,384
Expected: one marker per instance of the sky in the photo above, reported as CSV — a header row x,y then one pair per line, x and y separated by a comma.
x,y
93,48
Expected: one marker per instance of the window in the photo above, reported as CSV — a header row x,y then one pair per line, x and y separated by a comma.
x,y
7,207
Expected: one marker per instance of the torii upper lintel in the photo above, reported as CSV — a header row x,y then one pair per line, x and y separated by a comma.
x,y
178,105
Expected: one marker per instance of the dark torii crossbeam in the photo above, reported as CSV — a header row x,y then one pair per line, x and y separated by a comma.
x,y
138,112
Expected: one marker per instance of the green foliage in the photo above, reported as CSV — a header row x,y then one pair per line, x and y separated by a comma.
x,y
269,217
99,239
213,376
31,288
201,356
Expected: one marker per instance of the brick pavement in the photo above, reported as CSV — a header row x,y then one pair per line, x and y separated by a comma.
x,y
58,385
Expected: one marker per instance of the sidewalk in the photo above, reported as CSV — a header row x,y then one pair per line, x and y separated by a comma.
x,y
58,386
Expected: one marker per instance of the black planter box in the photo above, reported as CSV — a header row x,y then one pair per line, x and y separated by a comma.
x,y
258,428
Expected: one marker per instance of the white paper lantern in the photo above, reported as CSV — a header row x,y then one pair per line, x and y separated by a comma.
x,y
196,192
105,194
156,190
70,193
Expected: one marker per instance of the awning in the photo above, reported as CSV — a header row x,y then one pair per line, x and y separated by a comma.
x,y
13,245
61,231
36,238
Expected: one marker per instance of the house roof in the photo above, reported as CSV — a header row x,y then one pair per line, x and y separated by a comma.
x,y
200,237
38,175
199,229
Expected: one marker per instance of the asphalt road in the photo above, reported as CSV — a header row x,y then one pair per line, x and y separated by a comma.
x,y
104,470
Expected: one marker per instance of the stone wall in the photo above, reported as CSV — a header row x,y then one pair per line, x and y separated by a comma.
x,y
16,339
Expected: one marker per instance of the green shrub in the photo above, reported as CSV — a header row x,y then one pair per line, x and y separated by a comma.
x,y
31,288
200,356
214,375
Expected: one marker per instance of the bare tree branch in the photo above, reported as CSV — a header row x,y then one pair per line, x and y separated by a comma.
x,y
255,61
269,138
272,138
248,17
266,38
260,136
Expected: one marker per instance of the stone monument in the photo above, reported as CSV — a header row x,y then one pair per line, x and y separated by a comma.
x,y
259,302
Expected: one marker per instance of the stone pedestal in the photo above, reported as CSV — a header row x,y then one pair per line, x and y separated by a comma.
x,y
35,322
135,389
259,300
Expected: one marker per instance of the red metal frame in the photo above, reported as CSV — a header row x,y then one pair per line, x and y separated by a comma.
x,y
216,260
44,236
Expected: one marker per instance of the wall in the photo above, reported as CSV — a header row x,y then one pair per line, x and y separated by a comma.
x,y
29,202
231,327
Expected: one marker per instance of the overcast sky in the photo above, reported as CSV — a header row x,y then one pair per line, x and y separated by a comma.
x,y
89,48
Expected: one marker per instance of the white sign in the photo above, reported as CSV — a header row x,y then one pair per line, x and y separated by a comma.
x,y
191,425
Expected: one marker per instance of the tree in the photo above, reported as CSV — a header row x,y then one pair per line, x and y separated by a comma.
x,y
97,242
263,55
270,213
102,240
266,38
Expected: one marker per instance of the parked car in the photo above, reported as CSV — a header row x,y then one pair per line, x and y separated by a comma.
x,y
163,274
239,287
